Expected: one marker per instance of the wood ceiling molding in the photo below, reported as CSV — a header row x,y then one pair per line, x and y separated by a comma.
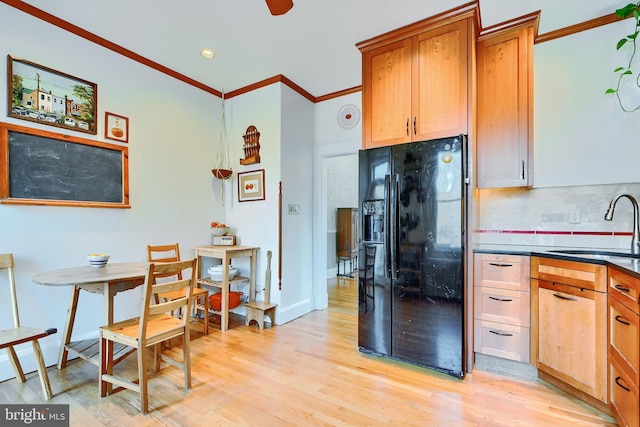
x,y
577,28
339,93
266,82
467,10
522,21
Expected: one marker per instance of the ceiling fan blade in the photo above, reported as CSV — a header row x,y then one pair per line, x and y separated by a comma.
x,y
279,7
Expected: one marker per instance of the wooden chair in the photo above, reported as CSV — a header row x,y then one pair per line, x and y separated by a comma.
x,y
22,334
153,327
171,253
256,310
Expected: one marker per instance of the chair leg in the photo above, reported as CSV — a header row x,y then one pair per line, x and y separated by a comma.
x,y
186,358
17,368
106,365
42,370
142,380
157,349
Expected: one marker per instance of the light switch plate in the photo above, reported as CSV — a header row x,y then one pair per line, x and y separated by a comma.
x,y
294,209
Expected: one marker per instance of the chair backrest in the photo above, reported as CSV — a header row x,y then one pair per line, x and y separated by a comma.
x,y
6,263
163,253
152,287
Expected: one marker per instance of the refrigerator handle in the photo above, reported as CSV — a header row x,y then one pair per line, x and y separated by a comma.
x,y
393,226
387,226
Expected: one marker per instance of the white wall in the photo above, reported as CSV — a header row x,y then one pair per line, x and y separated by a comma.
x,y
285,122
174,129
297,177
330,141
586,150
581,137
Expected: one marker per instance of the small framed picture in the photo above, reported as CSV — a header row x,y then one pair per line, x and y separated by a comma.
x,y
251,186
116,127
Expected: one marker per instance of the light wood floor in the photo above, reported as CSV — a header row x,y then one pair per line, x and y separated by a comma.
x,y
306,373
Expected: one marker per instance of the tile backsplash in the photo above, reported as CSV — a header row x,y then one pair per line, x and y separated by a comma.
x,y
555,216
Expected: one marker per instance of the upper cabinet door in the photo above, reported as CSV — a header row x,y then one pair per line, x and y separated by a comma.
x,y
505,80
439,102
387,94
416,88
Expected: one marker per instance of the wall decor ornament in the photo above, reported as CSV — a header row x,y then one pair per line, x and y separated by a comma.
x,y
40,94
251,146
116,127
251,186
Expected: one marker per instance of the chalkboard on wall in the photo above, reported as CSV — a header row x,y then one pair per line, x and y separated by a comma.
x,y
46,168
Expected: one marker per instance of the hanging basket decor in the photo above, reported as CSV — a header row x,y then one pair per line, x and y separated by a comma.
x,y
222,168
222,173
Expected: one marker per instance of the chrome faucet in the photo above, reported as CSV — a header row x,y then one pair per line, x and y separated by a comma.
x,y
635,239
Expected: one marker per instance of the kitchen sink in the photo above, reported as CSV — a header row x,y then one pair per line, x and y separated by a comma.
x,y
587,253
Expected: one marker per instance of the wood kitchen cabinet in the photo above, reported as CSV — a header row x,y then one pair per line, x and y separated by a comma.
x,y
624,360
415,87
501,306
569,326
505,108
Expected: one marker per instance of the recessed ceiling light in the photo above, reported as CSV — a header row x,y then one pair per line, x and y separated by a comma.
x,y
207,53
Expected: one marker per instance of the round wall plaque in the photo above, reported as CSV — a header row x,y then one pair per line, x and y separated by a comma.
x,y
348,116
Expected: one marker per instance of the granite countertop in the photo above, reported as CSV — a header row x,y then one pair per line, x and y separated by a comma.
x,y
609,257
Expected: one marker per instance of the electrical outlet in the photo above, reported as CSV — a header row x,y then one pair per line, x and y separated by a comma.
x,y
574,215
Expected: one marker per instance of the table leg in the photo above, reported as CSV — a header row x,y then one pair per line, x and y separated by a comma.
x,y
68,327
108,293
224,304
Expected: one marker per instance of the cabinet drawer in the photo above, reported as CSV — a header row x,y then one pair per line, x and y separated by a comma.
x,y
502,340
579,274
623,336
624,288
502,271
623,395
501,305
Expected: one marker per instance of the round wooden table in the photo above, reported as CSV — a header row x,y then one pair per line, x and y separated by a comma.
x,y
107,280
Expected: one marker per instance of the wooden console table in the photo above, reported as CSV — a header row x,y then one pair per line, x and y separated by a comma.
x,y
225,254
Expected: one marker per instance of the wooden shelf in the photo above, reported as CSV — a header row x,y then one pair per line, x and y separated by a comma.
x,y
218,284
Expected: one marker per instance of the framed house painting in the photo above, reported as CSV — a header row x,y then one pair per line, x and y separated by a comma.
x,y
40,94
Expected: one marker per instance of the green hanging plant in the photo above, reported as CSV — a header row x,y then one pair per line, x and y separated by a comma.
x,y
632,9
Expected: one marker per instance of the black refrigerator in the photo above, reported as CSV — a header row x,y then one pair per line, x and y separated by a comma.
x,y
411,253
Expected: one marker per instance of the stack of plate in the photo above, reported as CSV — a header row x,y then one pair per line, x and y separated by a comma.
x,y
96,260
216,272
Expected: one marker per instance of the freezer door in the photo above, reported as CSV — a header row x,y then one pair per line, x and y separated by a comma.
x,y
374,286
427,296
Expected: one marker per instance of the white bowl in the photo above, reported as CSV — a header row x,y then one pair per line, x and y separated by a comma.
x,y
98,260
219,231
216,272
